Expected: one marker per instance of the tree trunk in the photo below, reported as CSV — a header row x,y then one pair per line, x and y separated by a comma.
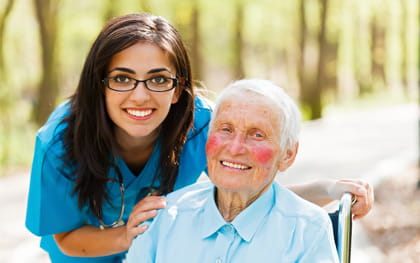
x,y
3,19
46,14
404,50
6,99
363,73
418,103
196,57
378,55
301,57
315,98
238,42
311,84
331,78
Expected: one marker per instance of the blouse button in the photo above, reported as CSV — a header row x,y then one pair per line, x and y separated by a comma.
x,y
228,228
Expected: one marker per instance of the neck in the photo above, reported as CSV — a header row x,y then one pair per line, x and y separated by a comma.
x,y
231,204
127,143
135,151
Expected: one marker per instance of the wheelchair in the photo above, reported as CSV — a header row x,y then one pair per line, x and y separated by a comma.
x,y
342,225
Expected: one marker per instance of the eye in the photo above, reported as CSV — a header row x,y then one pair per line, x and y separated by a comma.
x,y
159,80
257,134
122,79
224,128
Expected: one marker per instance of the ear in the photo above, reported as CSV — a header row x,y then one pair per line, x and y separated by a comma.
x,y
288,158
176,95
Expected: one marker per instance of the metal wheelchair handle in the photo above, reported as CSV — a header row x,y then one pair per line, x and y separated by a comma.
x,y
344,228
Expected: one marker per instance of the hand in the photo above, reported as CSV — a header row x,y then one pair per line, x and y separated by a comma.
x,y
142,211
361,190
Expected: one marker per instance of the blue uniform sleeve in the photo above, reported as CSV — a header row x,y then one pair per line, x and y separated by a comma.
x,y
52,207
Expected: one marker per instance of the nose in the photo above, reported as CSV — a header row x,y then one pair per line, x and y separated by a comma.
x,y
140,93
237,145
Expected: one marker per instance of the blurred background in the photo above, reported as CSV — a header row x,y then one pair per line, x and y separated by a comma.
x,y
348,63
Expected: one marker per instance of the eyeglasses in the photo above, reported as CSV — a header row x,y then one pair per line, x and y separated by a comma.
x,y
123,83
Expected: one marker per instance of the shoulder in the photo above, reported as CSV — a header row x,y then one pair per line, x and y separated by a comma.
x,y
202,115
49,143
54,124
292,206
190,197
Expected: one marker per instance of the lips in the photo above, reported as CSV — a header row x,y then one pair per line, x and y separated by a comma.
x,y
235,165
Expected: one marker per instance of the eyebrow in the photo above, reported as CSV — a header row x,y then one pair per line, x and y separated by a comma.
x,y
128,70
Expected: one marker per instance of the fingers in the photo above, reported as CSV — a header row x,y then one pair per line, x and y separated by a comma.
x,y
363,193
149,203
364,202
356,187
144,210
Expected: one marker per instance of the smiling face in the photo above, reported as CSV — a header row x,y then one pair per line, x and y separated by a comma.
x,y
140,112
243,147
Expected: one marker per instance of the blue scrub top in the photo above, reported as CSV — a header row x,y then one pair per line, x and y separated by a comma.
x,y
52,206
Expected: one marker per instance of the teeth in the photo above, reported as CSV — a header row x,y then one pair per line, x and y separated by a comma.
x,y
139,113
235,165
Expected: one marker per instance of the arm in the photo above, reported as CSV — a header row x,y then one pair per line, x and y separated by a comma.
x,y
91,241
322,192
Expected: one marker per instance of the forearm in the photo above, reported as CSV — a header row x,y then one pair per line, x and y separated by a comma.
x,y
322,192
90,241
316,192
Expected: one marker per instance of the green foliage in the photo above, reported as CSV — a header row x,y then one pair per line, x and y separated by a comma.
x,y
271,50
17,137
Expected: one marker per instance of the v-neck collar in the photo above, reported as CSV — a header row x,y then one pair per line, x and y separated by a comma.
x,y
146,178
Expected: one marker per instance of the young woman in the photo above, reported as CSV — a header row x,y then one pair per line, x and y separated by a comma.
x,y
133,130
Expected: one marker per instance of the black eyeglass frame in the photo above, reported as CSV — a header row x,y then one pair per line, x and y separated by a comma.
x,y
105,81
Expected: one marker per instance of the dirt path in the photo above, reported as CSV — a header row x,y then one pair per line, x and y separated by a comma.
x,y
394,222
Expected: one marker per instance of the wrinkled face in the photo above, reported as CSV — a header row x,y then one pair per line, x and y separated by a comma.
x,y
243,147
140,112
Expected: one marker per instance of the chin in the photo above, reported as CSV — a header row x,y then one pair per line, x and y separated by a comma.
x,y
230,186
139,133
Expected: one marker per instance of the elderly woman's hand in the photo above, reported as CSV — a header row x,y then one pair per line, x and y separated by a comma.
x,y
363,192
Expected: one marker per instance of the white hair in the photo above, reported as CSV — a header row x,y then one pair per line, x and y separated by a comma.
x,y
288,112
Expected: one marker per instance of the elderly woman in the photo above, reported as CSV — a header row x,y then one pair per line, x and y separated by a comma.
x,y
242,215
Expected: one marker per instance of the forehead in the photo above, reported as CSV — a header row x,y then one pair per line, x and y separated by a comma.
x,y
249,107
141,54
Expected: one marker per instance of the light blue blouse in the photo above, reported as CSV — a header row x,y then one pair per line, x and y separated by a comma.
x,y
53,208
277,227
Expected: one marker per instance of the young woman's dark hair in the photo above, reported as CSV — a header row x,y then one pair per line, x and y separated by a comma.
x,y
89,138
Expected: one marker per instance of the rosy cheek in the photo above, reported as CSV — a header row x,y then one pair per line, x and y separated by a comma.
x,y
263,154
212,145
